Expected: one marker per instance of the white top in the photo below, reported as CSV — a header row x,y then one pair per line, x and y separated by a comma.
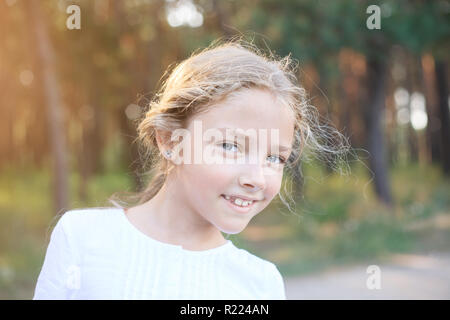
x,y
97,253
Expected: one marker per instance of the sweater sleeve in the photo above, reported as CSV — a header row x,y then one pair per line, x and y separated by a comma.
x,y
276,289
60,273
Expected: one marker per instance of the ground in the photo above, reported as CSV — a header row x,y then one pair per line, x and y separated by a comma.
x,y
404,276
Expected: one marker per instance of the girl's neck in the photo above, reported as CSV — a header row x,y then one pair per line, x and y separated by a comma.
x,y
167,218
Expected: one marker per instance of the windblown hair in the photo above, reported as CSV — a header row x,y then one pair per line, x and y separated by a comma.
x,y
214,74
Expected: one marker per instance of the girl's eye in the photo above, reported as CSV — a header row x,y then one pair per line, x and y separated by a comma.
x,y
280,159
227,145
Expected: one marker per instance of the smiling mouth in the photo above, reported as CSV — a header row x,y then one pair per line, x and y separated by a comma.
x,y
238,202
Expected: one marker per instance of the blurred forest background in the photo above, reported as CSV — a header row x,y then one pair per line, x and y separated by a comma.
x,y
68,99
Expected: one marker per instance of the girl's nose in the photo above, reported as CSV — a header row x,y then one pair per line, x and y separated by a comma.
x,y
253,178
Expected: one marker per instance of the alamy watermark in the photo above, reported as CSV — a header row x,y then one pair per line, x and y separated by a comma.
x,y
374,20
374,280
73,280
74,20
207,147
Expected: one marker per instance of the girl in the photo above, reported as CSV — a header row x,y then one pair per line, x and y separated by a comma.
x,y
170,245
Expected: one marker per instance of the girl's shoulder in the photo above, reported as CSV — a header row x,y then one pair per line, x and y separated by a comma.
x,y
87,223
89,216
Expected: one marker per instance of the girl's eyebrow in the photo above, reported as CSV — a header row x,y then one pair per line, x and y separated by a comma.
x,y
233,131
284,148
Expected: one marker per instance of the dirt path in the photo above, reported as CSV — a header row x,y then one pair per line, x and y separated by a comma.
x,y
406,276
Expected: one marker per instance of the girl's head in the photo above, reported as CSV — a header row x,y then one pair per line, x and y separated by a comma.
x,y
231,85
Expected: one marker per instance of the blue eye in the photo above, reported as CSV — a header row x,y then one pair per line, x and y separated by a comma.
x,y
228,144
280,159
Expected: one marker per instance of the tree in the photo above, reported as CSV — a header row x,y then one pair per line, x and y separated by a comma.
x,y
442,90
54,104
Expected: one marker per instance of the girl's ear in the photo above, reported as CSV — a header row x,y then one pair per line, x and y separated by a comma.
x,y
163,140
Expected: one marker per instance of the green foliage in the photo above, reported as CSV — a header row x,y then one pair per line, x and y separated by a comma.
x,y
317,30
369,238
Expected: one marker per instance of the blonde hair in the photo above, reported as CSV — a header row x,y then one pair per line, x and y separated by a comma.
x,y
215,73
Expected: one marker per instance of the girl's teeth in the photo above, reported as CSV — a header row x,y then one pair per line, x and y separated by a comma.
x,y
238,201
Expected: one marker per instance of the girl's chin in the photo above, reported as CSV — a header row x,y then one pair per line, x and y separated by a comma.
x,y
231,230
230,225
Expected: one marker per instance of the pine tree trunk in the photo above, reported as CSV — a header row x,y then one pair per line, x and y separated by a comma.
x,y
442,88
376,74
54,104
433,127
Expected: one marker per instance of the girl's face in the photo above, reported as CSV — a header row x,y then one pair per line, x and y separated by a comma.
x,y
206,187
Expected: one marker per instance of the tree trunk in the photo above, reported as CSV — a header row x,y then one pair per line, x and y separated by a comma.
x,y
442,88
433,130
376,74
222,19
55,108
131,157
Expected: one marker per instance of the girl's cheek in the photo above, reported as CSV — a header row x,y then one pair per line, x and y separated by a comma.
x,y
213,177
221,174
273,185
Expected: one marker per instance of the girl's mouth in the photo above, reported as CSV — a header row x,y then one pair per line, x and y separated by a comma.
x,y
239,205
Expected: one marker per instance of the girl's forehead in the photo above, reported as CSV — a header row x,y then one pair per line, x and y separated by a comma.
x,y
246,109
258,116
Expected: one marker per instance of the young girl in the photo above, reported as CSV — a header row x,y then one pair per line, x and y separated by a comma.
x,y
170,245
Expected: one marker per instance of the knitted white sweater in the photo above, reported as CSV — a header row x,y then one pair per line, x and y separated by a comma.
x,y
97,253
